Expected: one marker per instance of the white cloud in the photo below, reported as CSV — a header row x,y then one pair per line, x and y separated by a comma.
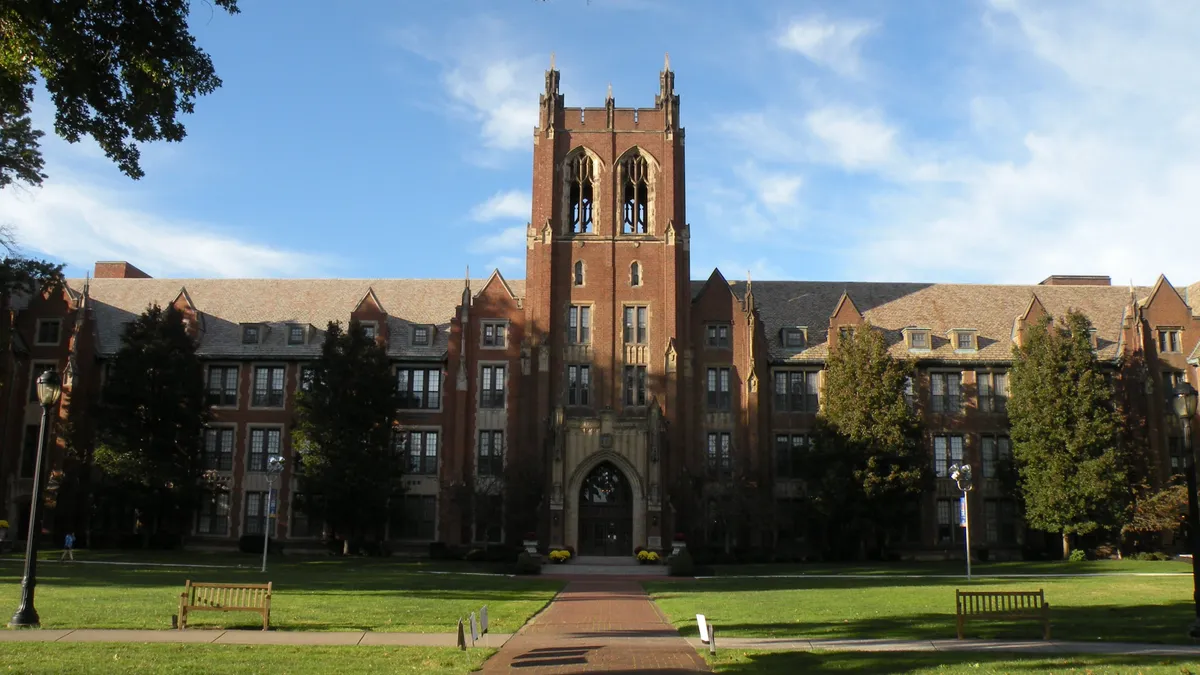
x,y
773,189
502,94
80,224
856,138
835,45
507,240
490,79
509,205
1068,142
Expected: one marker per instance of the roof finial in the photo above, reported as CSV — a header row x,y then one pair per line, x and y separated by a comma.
x,y
468,277
666,60
610,91
551,60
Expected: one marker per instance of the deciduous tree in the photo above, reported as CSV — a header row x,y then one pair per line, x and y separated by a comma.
x,y
869,458
151,420
118,71
1066,432
345,420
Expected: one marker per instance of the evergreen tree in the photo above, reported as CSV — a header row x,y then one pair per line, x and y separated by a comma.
x,y
152,418
344,432
1066,432
868,461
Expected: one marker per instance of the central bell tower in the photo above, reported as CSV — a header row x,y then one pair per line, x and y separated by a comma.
x,y
607,311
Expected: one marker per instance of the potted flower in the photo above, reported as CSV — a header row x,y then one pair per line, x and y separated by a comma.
x,y
559,556
679,544
647,558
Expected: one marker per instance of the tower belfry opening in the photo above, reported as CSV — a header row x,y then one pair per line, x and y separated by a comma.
x,y
581,188
635,195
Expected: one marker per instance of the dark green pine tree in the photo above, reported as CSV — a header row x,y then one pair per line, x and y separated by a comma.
x,y
869,461
344,433
151,422
1066,432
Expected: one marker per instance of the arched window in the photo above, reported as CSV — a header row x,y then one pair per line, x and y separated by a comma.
x,y
635,274
580,192
578,272
635,195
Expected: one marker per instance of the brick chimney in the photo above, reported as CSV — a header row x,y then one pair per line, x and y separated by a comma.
x,y
118,270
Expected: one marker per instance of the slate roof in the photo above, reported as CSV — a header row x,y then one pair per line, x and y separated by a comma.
x,y
224,304
990,310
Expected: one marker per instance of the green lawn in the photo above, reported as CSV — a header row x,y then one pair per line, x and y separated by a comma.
x,y
323,594
1115,608
105,658
742,662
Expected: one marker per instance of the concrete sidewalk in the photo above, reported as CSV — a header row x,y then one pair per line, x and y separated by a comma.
x,y
626,638
253,637
1003,646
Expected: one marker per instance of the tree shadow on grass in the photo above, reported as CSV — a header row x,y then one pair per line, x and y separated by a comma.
x,y
1153,624
889,663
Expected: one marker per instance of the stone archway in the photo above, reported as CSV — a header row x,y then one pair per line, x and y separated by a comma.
x,y
605,512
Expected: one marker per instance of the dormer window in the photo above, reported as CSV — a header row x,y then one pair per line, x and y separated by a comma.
x,y
845,332
1093,338
919,339
251,333
297,335
369,329
964,340
795,337
420,336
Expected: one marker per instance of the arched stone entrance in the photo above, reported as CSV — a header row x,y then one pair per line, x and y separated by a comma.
x,y
605,512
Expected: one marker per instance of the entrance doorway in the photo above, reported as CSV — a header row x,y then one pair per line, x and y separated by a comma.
x,y
605,513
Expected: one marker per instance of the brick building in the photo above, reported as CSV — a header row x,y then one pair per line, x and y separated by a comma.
x,y
608,364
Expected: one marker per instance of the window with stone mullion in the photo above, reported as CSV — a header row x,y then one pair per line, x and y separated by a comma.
x,y
268,386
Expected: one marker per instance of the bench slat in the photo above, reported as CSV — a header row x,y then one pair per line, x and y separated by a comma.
x,y
1001,605
219,597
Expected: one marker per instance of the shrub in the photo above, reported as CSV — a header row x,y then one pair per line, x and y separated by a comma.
x,y
1077,556
560,556
474,555
681,565
1147,555
528,564
571,550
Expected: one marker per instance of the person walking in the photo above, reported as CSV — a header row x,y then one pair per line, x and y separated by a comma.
x,y
68,547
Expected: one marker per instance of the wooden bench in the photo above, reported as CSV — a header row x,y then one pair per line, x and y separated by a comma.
x,y
202,597
1002,605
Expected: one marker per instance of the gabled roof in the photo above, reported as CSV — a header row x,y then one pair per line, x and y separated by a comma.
x,y
988,309
226,303
497,277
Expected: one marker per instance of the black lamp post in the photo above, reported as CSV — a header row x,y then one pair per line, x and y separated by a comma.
x,y
1184,404
49,388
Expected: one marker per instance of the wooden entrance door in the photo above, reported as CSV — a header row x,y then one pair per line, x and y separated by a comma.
x,y
605,513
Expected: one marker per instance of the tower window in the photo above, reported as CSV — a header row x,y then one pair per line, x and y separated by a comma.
x,y
635,195
578,273
635,274
580,193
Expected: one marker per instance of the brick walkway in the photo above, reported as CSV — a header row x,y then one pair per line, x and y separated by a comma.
x,y
598,626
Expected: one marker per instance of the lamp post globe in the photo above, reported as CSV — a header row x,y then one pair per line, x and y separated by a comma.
x,y
961,475
1183,404
49,390
274,469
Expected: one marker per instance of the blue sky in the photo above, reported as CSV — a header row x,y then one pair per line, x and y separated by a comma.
x,y
975,141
